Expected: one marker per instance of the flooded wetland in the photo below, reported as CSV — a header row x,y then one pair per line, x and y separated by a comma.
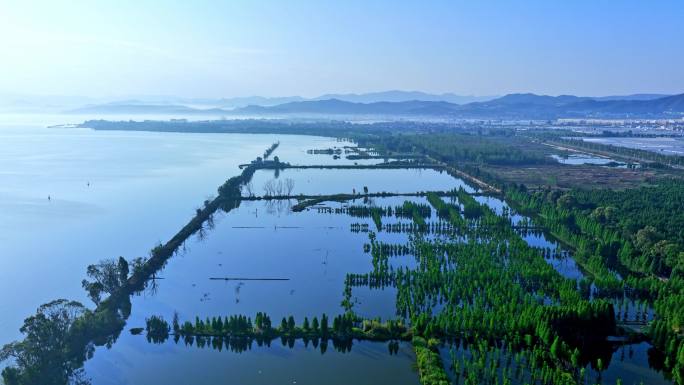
x,y
401,242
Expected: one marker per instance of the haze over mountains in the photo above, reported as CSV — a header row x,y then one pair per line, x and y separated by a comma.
x,y
388,103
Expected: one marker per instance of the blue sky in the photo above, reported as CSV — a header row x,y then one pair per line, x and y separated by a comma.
x,y
275,48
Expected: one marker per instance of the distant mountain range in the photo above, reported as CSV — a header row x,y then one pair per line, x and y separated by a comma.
x,y
512,106
372,97
119,106
340,107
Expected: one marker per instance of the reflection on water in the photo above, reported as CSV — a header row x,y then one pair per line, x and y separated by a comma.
x,y
631,364
134,361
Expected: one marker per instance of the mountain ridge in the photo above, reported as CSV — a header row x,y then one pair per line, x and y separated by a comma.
x,y
519,106
511,106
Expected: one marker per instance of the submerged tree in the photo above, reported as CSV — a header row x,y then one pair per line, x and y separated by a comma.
x,y
289,185
269,188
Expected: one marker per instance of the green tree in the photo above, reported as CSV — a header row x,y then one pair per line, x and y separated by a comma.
x,y
44,356
324,324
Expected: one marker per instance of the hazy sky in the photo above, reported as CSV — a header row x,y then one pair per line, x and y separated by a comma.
x,y
238,48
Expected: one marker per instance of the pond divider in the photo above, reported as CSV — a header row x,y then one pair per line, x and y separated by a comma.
x,y
273,165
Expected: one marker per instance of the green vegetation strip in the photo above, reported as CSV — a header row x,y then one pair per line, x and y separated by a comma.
x,y
430,368
343,327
